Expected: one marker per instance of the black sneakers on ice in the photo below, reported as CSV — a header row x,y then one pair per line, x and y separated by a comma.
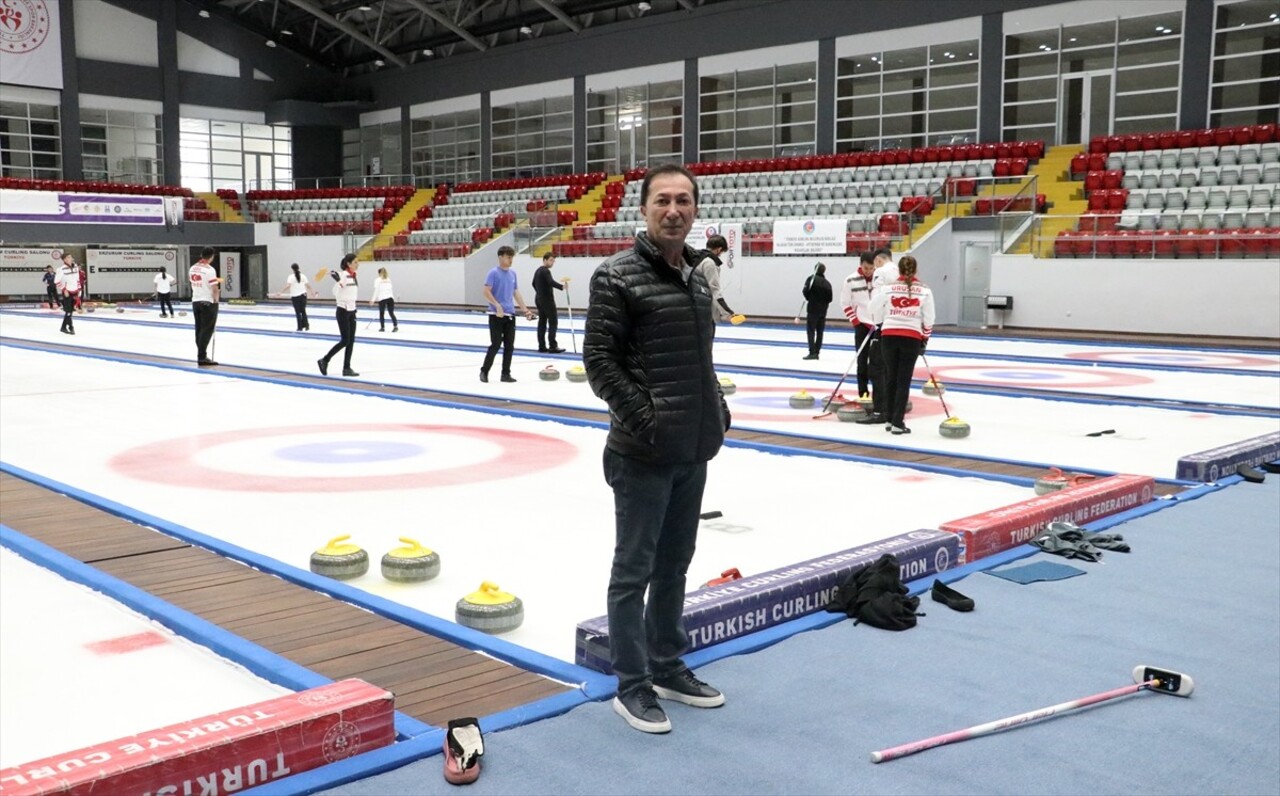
x,y
641,710
684,687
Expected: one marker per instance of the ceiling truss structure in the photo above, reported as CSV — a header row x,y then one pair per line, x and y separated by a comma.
x,y
353,37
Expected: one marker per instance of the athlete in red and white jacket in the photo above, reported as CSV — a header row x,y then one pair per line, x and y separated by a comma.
x,y
855,300
904,311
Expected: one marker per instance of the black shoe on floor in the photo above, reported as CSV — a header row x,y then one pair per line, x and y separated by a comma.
x,y
507,377
395,328
641,710
811,356
383,329
71,331
484,377
949,597
555,350
349,372
543,351
896,430
684,687
206,363
870,420
323,364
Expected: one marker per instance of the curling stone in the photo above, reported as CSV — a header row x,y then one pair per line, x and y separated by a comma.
x,y
727,386
340,561
932,388
90,309
182,313
412,563
728,576
576,373
119,309
865,402
490,610
549,373
954,428
1052,482
802,400
850,412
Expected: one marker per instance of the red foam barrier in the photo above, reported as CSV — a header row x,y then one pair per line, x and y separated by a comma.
x,y
224,752
993,531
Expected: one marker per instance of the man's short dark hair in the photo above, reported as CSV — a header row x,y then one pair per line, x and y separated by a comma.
x,y
666,168
506,251
884,251
208,253
867,257
717,242
548,256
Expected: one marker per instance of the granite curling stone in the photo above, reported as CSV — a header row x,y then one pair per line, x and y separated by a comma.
x,y
340,561
549,373
412,563
576,373
490,610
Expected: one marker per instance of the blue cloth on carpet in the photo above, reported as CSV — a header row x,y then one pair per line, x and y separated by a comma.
x,y
1040,570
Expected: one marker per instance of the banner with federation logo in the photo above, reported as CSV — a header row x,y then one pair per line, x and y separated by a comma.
x,y
47,207
129,270
809,235
21,270
31,43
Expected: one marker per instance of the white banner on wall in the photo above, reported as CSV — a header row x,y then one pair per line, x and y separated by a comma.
x,y
809,235
21,270
47,207
31,43
229,270
114,271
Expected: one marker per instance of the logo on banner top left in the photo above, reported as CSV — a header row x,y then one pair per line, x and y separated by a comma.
x,y
24,24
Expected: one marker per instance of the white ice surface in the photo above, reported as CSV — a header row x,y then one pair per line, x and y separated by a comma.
x,y
542,530
1039,431
57,695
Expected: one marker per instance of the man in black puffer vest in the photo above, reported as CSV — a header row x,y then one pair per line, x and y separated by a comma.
x,y
647,351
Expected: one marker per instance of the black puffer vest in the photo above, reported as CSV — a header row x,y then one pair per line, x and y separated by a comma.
x,y
647,352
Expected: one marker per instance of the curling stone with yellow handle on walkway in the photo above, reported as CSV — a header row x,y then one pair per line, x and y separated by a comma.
x,y
339,560
490,610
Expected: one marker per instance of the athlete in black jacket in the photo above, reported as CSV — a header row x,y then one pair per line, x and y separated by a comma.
x,y
647,352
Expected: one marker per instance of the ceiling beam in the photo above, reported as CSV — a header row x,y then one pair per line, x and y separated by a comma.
x,y
688,5
448,23
560,15
350,31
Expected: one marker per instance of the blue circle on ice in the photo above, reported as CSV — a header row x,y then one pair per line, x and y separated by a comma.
x,y
1170,358
349,452
770,401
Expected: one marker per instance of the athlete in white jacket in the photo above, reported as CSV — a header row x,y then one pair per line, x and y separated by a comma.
x,y
904,311
345,291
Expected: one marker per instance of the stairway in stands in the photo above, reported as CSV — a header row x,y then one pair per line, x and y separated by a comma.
x,y
1065,198
399,223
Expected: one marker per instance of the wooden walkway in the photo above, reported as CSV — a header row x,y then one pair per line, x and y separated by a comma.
x,y
433,680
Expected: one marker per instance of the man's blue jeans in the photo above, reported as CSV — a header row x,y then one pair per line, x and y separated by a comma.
x,y
656,508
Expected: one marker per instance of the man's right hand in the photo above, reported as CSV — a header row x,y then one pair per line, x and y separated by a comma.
x,y
500,313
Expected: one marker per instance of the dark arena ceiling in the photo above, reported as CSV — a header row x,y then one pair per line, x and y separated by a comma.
x,y
360,36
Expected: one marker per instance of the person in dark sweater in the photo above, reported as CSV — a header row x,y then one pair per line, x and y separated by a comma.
x,y
818,294
544,300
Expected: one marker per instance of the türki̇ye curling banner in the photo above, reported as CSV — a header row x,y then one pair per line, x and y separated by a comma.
x,y
809,235
46,207
130,270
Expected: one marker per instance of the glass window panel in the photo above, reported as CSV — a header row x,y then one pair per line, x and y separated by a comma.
x,y
1031,66
759,117
1088,60
1030,42
903,103
1075,37
715,103
717,121
224,142
868,106
864,86
723,140
1152,125
1250,12
665,127
1156,77
756,98
912,58
504,128
795,73
1149,104
94,148
954,53
1246,67
806,92
1151,27
1245,95
256,131
1033,113
666,108
257,145
218,156
91,116
1249,116
1249,40
1030,134
755,78
1031,90
791,114
712,84
905,81
795,134
1166,50
957,75
43,111
953,98
756,138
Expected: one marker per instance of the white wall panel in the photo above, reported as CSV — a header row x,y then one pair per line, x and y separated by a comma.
x,y
109,33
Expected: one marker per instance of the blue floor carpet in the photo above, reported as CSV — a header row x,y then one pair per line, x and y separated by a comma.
x,y
1200,593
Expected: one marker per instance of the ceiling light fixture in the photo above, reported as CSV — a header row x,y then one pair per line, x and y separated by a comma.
x,y
379,62
526,30
366,8
643,7
286,33
427,51
271,43
204,12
